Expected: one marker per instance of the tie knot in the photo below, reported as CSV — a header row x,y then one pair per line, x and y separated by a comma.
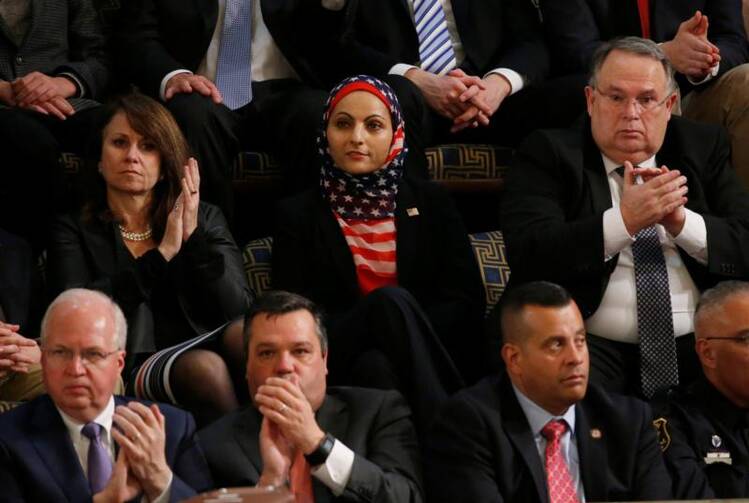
x,y
91,431
554,429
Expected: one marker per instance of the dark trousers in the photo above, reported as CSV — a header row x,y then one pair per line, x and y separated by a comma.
x,y
33,186
551,104
615,365
283,118
387,342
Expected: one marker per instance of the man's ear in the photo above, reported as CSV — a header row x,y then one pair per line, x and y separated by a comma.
x,y
511,355
589,99
706,353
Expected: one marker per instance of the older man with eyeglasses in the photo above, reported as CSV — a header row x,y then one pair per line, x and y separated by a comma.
x,y
704,429
635,212
79,442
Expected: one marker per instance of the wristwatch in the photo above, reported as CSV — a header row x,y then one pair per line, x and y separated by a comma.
x,y
321,453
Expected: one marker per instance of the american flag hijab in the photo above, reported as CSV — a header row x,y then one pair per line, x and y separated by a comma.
x,y
370,196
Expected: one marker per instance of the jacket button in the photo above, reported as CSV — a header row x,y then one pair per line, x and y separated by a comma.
x,y
19,60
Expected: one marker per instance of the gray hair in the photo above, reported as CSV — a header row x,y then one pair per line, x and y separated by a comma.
x,y
632,45
714,299
82,298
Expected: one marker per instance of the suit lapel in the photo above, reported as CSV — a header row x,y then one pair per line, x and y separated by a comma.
x,y
246,431
337,249
209,15
595,173
407,235
516,426
52,442
591,448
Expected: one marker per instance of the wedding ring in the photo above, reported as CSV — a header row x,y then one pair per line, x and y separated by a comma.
x,y
283,408
194,192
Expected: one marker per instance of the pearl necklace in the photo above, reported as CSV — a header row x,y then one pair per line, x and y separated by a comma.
x,y
135,236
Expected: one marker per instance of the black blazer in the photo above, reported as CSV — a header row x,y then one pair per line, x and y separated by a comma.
x,y
375,424
557,190
65,36
16,279
377,34
481,449
206,276
38,461
434,260
155,37
575,28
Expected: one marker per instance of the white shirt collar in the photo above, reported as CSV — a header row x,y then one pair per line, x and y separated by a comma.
x,y
104,419
610,165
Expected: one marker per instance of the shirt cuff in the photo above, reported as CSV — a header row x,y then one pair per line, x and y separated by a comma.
x,y
713,72
515,79
615,235
162,87
164,497
80,89
401,69
336,470
693,236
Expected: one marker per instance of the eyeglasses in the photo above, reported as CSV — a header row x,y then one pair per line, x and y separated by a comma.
x,y
89,357
643,104
742,339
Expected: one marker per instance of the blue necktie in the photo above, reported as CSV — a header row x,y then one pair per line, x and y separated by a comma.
x,y
99,462
435,48
233,76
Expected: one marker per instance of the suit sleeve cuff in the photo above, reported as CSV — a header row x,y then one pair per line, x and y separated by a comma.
x,y
164,497
401,69
712,73
693,236
513,77
615,235
336,470
162,87
80,88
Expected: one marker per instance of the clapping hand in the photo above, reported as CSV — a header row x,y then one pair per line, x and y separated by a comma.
x,y
183,219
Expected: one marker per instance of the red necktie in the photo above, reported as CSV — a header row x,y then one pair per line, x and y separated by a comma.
x,y
300,479
558,478
644,8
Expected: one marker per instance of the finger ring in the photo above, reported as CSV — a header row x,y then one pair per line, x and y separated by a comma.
x,y
283,408
194,192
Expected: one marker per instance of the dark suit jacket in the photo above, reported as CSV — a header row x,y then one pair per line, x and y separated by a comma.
x,y
375,424
65,36
557,191
689,422
434,259
38,461
495,33
481,449
575,28
16,279
206,276
156,37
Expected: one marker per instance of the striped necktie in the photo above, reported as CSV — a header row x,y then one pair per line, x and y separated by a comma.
x,y
233,77
435,48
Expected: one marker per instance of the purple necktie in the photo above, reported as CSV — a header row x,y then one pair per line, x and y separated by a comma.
x,y
99,462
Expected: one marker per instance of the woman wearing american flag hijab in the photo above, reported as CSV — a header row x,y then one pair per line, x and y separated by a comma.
x,y
386,256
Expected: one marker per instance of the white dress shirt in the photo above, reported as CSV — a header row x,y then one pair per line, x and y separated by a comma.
x,y
515,79
616,316
268,62
538,417
81,442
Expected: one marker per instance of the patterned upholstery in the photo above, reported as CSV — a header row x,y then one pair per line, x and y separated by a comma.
x,y
489,248
456,162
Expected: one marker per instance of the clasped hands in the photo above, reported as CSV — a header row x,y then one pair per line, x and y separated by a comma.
x,y
690,52
288,426
466,99
17,353
39,92
183,218
141,465
659,199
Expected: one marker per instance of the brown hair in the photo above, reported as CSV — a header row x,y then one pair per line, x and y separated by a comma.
x,y
152,121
